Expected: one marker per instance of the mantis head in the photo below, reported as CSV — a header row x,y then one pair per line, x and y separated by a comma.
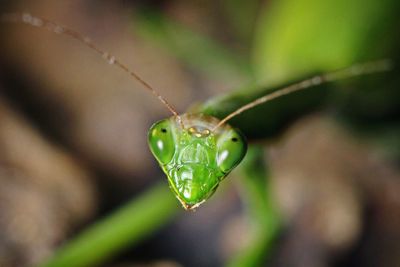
x,y
195,158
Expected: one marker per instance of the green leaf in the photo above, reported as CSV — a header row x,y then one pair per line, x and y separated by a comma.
x,y
294,37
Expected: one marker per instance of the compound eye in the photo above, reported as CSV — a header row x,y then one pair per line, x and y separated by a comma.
x,y
161,141
232,147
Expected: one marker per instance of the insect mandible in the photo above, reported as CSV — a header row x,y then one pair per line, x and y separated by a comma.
x,y
196,151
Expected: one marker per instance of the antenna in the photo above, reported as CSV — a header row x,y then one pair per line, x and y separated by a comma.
x,y
54,27
352,71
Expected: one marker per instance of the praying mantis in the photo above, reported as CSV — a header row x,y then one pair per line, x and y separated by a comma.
x,y
197,151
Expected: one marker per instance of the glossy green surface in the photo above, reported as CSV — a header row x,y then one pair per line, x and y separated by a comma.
x,y
194,158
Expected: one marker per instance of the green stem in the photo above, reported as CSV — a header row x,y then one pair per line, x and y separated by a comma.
x,y
125,227
262,211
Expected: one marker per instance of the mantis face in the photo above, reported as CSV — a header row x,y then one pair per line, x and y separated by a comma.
x,y
194,158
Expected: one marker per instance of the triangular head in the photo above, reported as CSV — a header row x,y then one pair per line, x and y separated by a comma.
x,y
195,157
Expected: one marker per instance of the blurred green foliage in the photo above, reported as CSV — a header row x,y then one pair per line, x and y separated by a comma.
x,y
295,38
194,49
264,217
128,225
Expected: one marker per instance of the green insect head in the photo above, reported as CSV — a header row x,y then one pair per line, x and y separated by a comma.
x,y
195,158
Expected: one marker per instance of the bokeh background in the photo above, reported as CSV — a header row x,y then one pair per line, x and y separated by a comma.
x,y
73,129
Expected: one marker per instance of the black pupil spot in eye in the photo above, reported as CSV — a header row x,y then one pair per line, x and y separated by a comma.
x,y
234,139
163,130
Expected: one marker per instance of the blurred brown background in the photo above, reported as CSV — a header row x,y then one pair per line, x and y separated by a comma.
x,y
73,147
